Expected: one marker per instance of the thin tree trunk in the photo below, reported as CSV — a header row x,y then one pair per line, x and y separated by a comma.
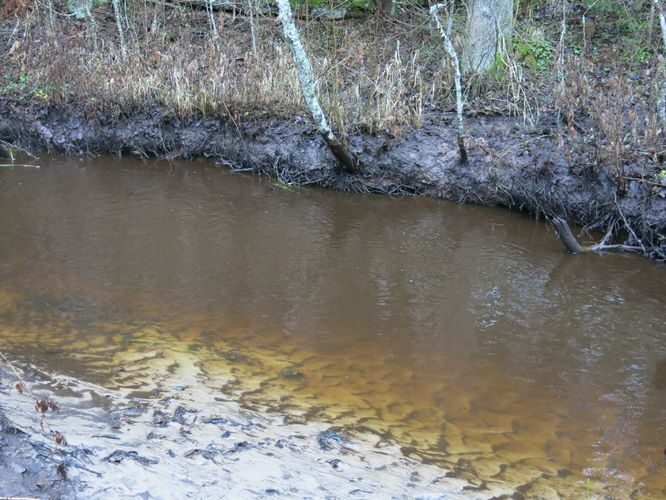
x,y
345,159
560,55
661,100
252,29
119,23
451,51
211,19
662,20
488,32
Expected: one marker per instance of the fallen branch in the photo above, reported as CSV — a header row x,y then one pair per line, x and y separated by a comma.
x,y
626,223
571,243
566,236
7,148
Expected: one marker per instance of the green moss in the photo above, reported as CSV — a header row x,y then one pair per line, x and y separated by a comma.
x,y
81,9
17,86
360,4
349,4
535,52
498,67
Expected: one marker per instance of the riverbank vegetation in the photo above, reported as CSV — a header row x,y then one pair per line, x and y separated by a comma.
x,y
586,74
594,63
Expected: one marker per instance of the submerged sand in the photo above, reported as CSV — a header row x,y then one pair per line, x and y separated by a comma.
x,y
191,443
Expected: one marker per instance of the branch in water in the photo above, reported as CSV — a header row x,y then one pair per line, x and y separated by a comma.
x,y
571,243
566,236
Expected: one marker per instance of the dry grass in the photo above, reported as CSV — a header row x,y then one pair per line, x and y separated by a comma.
x,y
187,70
611,115
367,81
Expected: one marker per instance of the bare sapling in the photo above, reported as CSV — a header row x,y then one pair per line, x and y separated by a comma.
x,y
661,100
560,56
662,20
455,62
211,20
119,23
345,158
253,31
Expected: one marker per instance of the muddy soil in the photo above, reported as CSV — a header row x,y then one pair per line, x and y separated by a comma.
x,y
532,171
186,443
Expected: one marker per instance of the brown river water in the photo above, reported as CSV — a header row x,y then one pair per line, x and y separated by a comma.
x,y
464,334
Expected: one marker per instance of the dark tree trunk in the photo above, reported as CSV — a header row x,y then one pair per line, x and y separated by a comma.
x,y
346,160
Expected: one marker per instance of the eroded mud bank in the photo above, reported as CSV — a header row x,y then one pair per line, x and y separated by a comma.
x,y
509,166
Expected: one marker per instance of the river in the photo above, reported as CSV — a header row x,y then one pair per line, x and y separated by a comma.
x,y
464,334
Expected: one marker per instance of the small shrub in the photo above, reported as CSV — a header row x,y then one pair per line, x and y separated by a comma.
x,y
535,51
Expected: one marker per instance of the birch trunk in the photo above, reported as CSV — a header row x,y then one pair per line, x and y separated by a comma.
x,y
453,55
211,19
488,32
119,23
661,100
345,159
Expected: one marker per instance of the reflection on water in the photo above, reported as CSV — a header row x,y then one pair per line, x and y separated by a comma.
x,y
463,333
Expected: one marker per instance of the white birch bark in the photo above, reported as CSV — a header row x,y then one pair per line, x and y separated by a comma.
x,y
307,81
662,20
489,30
211,19
453,56
119,23
252,29
661,100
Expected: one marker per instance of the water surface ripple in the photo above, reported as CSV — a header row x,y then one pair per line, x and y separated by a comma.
x,y
465,334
